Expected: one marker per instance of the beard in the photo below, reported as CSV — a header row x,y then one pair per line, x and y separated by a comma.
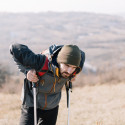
x,y
65,74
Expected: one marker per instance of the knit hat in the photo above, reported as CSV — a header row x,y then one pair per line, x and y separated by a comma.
x,y
69,54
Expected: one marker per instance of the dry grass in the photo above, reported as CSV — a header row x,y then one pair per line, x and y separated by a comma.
x,y
114,76
90,105
105,104
9,109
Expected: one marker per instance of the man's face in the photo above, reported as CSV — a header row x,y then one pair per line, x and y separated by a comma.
x,y
66,70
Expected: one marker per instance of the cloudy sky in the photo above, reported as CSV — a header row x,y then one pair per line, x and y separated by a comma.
x,y
97,6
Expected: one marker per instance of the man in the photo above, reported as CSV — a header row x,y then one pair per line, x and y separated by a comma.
x,y
50,70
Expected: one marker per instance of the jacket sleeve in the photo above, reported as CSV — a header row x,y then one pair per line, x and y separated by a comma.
x,y
25,58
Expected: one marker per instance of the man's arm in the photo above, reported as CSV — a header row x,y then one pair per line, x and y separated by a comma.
x,y
23,56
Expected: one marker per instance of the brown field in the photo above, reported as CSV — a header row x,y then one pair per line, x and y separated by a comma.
x,y
98,98
90,105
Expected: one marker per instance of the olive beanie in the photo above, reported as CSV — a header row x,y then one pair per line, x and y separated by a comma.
x,y
69,54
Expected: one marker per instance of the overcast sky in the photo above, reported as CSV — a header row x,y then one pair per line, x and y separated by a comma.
x,y
97,6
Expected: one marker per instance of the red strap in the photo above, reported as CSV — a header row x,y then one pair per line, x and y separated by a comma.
x,y
44,68
74,73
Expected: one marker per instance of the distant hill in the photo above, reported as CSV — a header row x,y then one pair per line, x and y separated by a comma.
x,y
121,14
101,36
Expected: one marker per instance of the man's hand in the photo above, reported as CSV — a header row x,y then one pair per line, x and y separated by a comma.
x,y
31,76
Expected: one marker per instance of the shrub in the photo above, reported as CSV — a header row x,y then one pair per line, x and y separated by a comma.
x,y
4,74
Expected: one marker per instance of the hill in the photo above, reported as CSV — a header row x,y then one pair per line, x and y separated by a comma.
x,y
95,105
101,36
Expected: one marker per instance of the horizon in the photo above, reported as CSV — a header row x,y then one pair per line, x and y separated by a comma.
x,y
32,6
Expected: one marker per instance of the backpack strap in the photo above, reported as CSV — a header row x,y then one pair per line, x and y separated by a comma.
x,y
44,68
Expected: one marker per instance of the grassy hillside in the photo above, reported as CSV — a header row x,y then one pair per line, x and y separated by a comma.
x,y
91,105
102,37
